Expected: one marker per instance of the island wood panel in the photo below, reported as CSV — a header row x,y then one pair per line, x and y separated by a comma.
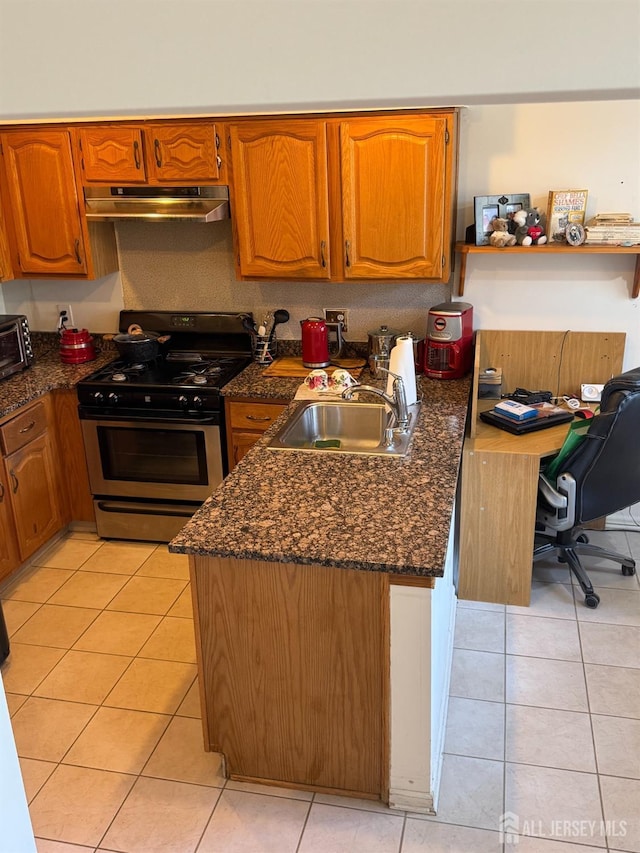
x,y
497,532
293,663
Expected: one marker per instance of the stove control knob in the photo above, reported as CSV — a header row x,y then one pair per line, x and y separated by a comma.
x,y
98,397
197,402
184,402
113,399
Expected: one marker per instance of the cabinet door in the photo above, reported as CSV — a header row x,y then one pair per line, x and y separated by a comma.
x,y
70,453
9,557
5,258
280,198
183,152
33,488
393,197
42,192
112,155
246,422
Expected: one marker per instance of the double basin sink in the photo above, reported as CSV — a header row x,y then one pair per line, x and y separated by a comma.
x,y
341,426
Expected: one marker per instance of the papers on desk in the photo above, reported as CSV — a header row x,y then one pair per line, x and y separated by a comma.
x,y
547,415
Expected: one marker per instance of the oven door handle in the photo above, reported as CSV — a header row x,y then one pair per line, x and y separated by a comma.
x,y
150,418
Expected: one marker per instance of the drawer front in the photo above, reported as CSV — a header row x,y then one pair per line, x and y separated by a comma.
x,y
23,428
253,416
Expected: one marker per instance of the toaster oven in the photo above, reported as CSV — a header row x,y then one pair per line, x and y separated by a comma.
x,y
16,352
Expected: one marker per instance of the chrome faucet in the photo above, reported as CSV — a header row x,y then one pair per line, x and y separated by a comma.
x,y
399,417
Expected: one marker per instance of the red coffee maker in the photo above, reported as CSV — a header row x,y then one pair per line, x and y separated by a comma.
x,y
448,347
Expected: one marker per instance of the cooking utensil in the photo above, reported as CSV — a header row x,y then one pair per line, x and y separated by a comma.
x,y
137,345
248,325
279,316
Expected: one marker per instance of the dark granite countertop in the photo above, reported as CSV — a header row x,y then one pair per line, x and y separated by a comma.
x,y
47,373
361,512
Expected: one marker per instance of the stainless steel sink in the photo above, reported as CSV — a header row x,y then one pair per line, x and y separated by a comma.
x,y
334,426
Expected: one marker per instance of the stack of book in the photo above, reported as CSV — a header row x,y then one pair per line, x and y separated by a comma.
x,y
612,229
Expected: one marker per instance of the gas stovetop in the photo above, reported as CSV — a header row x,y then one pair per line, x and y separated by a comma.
x,y
179,370
204,352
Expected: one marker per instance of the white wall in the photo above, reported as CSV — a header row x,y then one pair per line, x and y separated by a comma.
x,y
71,57
16,833
534,148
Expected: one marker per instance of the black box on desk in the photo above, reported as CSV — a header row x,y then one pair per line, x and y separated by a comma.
x,y
490,383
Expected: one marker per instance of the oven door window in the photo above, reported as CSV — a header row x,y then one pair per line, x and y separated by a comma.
x,y
9,348
153,455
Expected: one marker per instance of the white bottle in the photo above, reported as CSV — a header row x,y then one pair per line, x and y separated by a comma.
x,y
401,362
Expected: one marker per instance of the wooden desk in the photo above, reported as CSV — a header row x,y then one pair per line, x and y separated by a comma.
x,y
499,480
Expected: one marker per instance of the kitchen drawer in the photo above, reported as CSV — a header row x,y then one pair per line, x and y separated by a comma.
x,y
253,416
23,428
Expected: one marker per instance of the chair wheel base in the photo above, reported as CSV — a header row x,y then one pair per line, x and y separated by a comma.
x,y
592,600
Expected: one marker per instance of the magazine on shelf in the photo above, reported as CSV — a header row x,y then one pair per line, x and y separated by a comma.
x,y
612,234
565,207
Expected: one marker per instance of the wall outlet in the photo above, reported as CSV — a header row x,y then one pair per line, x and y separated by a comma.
x,y
65,316
337,315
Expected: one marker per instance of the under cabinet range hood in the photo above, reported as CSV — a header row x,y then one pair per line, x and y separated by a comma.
x,y
156,204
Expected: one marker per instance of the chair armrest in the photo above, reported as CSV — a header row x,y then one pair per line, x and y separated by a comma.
x,y
550,494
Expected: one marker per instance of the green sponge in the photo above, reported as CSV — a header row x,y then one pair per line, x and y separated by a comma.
x,y
327,442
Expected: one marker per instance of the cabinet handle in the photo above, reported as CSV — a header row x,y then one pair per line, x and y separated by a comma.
x,y
28,428
157,152
76,246
15,481
136,153
347,249
255,418
323,260
218,161
1,492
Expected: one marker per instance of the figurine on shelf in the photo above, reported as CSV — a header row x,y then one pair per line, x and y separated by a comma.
x,y
530,229
500,236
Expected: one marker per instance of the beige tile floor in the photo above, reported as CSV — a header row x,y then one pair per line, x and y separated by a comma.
x,y
544,721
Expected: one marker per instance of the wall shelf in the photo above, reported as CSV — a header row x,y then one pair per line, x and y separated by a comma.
x,y
466,249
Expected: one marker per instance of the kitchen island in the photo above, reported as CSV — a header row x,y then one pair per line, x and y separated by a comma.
x,y
324,604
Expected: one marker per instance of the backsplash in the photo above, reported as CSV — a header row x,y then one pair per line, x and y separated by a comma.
x,y
189,267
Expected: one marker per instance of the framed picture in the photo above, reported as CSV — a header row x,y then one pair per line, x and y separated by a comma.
x,y
488,207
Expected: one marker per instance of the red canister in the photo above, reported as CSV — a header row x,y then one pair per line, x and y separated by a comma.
x,y
76,346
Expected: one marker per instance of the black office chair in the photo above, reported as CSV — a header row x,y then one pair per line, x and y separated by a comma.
x,y
601,476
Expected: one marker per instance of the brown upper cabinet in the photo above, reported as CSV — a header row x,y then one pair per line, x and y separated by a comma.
x,y
367,198
44,216
151,154
5,258
280,198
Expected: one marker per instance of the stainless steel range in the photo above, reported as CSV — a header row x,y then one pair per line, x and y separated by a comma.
x,y
154,431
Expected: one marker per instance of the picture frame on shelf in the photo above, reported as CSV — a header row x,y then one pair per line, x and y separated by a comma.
x,y
487,207
565,208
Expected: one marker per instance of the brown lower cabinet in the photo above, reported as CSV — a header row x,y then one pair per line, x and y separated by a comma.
x,y
293,663
43,479
247,420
